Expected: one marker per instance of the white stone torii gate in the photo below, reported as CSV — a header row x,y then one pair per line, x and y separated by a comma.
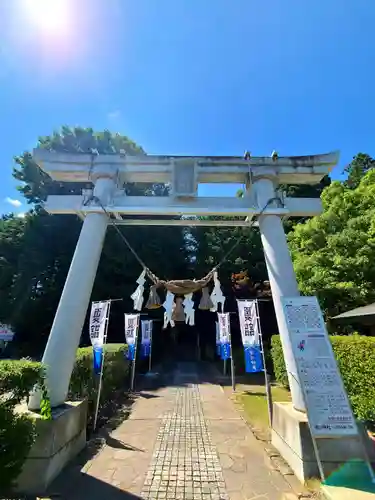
x,y
108,173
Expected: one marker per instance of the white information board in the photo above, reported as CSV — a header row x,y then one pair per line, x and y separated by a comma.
x,y
328,408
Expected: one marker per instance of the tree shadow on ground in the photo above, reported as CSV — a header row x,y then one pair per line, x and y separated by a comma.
x,y
254,393
117,443
184,373
78,486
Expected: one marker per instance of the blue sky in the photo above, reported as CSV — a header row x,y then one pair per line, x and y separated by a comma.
x,y
189,76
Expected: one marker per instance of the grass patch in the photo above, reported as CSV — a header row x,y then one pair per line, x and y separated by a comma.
x,y
253,400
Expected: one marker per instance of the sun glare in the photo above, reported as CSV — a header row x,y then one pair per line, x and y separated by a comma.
x,y
51,16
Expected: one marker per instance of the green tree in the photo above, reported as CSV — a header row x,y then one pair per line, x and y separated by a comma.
x,y
334,253
36,184
36,251
306,190
357,168
213,243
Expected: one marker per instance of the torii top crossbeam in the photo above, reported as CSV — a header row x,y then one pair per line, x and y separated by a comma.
x,y
184,173
210,169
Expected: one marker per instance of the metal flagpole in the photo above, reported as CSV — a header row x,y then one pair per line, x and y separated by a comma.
x,y
135,357
232,367
102,366
198,346
266,376
149,358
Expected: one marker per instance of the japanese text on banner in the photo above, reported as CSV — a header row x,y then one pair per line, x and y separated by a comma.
x,y
97,323
146,329
131,328
217,328
224,327
247,310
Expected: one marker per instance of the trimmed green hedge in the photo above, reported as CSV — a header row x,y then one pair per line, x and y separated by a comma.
x,y
356,358
115,373
17,431
279,367
18,377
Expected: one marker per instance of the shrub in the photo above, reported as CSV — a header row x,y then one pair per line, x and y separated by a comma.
x,y
356,359
83,383
17,431
279,367
18,377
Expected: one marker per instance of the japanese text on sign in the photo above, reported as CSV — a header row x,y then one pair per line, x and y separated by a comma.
x,y
248,322
98,322
146,328
224,327
327,403
131,328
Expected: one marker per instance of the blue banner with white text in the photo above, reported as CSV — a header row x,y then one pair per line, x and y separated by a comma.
x,y
253,359
218,343
98,359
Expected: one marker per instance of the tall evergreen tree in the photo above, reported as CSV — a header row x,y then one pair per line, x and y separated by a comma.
x,y
36,251
357,168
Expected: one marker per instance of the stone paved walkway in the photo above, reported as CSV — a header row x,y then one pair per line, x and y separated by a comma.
x,y
185,464
185,441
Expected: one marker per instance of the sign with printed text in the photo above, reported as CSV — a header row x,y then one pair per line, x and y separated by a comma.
x,y
98,323
224,327
247,311
328,408
6,333
146,330
217,330
224,331
131,328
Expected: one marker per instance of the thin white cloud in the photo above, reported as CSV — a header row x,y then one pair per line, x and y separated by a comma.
x,y
13,202
21,215
113,115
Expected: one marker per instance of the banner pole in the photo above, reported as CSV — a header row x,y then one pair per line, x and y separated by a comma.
x,y
232,367
102,367
149,358
266,376
135,357
198,346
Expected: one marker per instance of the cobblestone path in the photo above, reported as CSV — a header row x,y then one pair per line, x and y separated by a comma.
x,y
183,441
185,464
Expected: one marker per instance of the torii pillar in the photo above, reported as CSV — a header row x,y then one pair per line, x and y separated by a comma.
x,y
63,341
280,269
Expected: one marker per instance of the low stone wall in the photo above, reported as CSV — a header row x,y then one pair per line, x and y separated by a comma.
x,y
57,442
